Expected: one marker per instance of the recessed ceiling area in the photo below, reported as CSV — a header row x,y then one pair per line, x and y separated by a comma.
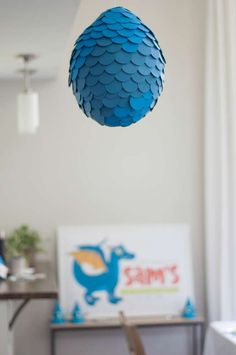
x,y
39,26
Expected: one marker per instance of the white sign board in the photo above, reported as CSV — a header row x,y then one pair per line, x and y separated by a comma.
x,y
142,270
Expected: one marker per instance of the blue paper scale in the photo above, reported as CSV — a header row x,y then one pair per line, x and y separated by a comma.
x,y
117,69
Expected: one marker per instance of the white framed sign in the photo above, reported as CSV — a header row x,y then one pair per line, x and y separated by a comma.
x,y
142,270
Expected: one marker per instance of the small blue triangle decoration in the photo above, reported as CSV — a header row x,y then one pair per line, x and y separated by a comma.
x,y
57,314
77,316
189,310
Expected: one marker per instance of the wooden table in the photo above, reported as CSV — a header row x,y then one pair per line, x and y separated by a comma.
x,y
23,291
196,324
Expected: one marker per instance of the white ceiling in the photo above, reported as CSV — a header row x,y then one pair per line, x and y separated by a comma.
x,y
35,26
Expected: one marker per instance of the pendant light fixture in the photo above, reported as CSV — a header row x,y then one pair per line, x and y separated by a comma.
x,y
27,100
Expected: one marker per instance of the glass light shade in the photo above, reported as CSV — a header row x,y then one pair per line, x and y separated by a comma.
x,y
28,112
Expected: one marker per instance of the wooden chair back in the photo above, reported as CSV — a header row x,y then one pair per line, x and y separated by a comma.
x,y
133,338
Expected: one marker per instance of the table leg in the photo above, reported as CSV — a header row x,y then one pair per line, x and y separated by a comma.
x,y
52,341
6,336
202,337
194,336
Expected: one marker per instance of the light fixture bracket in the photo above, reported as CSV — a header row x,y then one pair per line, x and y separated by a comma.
x,y
27,57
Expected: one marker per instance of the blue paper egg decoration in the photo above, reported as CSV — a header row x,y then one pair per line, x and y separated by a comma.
x,y
117,69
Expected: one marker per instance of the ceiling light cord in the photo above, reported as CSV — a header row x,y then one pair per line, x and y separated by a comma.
x,y
26,75
26,71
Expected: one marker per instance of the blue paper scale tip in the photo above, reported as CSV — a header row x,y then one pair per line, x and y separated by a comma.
x,y
117,69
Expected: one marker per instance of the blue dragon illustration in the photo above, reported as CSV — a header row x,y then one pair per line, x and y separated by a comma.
x,y
107,279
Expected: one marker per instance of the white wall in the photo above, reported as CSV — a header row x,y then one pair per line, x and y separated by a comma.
x,y
77,172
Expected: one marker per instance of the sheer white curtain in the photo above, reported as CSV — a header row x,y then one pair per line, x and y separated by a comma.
x,y
220,159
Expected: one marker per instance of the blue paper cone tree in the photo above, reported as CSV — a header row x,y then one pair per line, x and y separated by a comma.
x,y
117,69
77,316
57,314
189,310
